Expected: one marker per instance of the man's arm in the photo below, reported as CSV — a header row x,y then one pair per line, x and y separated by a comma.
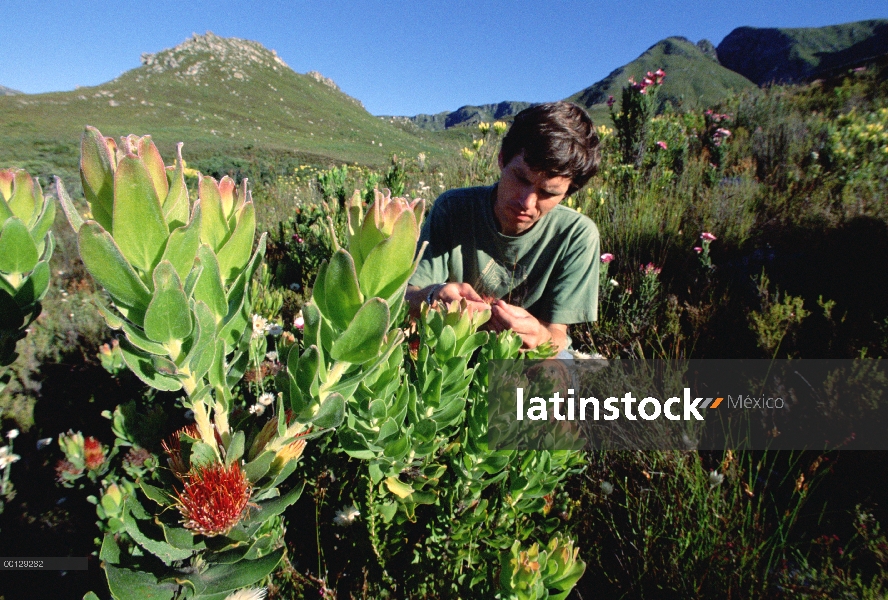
x,y
444,292
533,331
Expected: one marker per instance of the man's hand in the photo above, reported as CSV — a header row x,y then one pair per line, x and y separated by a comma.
x,y
533,332
447,293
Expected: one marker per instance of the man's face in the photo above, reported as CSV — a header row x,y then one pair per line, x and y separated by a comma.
x,y
524,196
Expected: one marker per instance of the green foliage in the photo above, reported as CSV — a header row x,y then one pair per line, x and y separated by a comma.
x,y
26,246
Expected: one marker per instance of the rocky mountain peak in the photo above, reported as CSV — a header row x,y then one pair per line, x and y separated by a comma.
x,y
196,55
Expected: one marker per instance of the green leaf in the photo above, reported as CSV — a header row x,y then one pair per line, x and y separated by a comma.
x,y
235,448
18,253
106,263
126,584
331,412
181,250
97,176
141,341
342,295
203,350
26,197
156,494
175,205
235,254
168,318
258,467
209,284
142,365
214,229
271,508
227,578
361,341
165,552
34,288
390,264
139,227
179,537
154,163
68,207
44,221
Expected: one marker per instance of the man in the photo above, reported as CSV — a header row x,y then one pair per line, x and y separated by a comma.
x,y
512,248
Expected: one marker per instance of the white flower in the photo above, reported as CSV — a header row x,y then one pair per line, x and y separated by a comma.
x,y
266,399
607,488
259,326
257,409
614,282
247,594
715,479
688,442
7,457
346,516
12,434
275,329
43,443
272,356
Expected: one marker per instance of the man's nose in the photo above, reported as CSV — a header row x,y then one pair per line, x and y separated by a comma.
x,y
527,199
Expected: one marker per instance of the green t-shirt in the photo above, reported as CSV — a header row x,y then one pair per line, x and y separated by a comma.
x,y
551,270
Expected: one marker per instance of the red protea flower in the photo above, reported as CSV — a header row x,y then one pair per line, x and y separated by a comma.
x,y
214,499
93,453
173,448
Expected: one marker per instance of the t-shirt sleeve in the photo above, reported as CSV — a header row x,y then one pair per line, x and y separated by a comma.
x,y
572,296
434,264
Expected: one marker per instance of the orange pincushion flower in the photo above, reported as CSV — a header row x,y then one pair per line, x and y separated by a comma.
x,y
214,499
93,453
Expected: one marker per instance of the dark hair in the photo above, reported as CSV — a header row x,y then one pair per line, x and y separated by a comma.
x,y
558,139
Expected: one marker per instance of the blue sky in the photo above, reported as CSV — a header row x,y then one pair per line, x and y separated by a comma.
x,y
399,57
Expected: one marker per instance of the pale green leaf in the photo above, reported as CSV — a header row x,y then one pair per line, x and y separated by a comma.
x,y
168,317
97,176
361,341
235,253
139,227
18,252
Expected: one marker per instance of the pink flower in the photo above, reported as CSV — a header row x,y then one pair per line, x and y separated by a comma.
x,y
610,101
698,249
650,269
298,239
299,322
607,257
662,145
707,236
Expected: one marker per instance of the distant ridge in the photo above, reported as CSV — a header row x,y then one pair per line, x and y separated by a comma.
x,y
5,91
770,55
694,78
465,115
221,96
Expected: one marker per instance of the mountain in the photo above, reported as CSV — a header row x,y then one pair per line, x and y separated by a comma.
x,y
466,115
222,97
694,78
795,55
5,91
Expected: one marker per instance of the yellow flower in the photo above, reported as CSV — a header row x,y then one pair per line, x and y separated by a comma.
x,y
484,127
499,127
476,144
467,154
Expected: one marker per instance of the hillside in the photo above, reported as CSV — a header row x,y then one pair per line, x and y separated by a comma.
x,y
694,79
5,91
766,55
222,96
466,115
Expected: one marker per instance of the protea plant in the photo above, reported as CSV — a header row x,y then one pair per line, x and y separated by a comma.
x,y
26,246
177,271
178,274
